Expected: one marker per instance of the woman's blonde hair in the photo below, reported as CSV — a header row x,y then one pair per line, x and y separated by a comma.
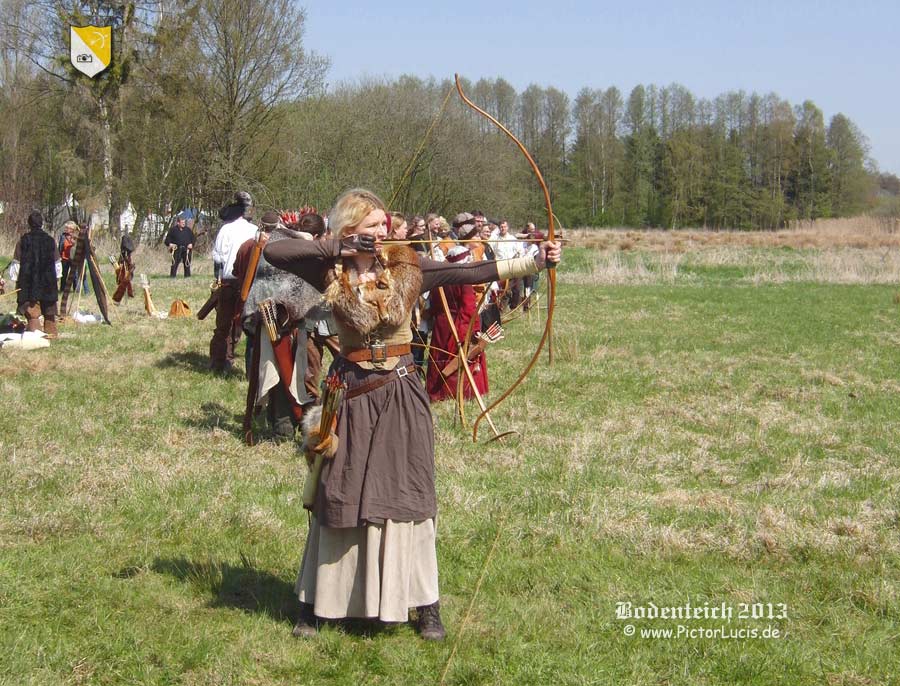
x,y
351,208
398,219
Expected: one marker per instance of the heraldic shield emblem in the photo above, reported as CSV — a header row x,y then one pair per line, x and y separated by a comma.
x,y
90,48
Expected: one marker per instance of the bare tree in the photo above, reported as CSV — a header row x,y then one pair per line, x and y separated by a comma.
x,y
245,68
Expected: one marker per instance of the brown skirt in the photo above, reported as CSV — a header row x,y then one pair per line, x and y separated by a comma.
x,y
384,466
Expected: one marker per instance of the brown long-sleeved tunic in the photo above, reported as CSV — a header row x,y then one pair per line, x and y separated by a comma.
x,y
311,260
384,466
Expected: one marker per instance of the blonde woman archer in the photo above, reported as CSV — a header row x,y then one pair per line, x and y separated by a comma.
x,y
370,552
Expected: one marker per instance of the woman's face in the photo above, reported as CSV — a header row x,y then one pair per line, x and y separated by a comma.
x,y
399,232
373,224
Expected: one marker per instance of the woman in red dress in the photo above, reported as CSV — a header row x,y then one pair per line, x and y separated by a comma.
x,y
462,305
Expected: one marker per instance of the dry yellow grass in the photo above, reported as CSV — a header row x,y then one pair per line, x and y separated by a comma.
x,y
860,250
853,232
842,265
613,268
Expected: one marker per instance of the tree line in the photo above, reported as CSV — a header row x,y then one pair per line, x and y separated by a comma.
x,y
205,97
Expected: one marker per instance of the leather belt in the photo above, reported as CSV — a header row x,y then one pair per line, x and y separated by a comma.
x,y
377,352
382,380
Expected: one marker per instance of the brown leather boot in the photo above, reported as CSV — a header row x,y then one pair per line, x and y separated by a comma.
x,y
428,622
307,623
50,327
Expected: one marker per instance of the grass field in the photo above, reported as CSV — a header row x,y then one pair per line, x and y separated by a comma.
x,y
721,425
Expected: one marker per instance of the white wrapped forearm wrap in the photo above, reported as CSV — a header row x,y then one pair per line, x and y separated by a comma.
x,y
516,267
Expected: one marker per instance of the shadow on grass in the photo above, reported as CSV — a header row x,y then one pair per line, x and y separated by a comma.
x,y
238,586
244,587
190,361
217,416
366,628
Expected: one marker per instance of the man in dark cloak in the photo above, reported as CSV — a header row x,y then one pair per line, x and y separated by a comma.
x,y
35,269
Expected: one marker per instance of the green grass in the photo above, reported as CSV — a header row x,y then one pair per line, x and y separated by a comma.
x,y
698,438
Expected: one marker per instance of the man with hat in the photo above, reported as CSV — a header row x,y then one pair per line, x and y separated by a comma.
x,y
35,269
467,229
233,233
470,230
180,241
463,219
461,222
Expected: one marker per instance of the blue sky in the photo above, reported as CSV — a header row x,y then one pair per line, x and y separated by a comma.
x,y
842,56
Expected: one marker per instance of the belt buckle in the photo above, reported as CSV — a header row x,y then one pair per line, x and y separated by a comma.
x,y
401,371
378,352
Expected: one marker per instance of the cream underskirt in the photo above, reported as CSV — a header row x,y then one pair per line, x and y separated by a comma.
x,y
376,571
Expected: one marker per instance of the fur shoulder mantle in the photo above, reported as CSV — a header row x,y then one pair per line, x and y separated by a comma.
x,y
386,301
